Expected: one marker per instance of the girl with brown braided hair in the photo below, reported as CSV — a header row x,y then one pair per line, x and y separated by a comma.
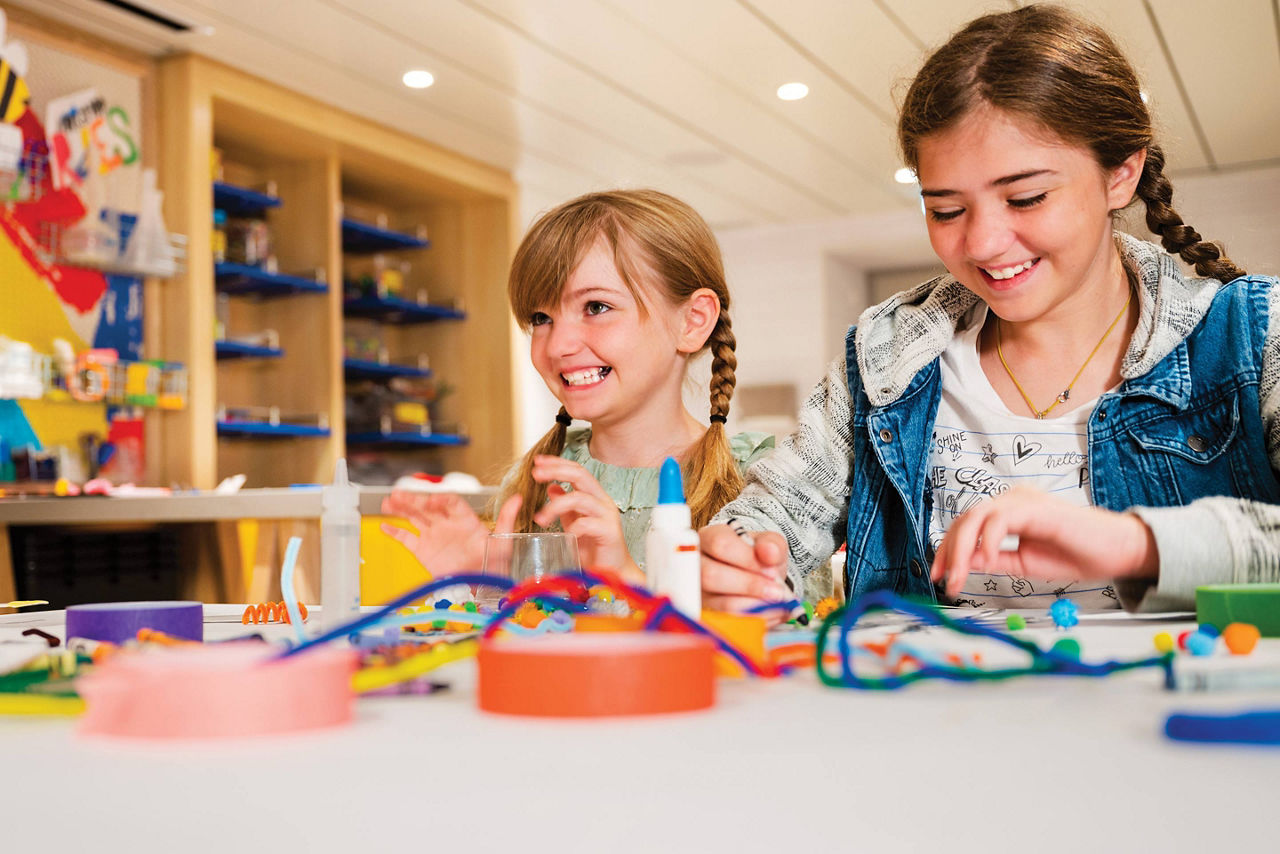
x,y
619,291
1067,413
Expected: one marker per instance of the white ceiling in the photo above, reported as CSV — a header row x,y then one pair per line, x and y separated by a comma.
x,y
574,95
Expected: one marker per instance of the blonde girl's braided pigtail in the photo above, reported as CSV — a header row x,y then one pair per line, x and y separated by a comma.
x,y
713,475
534,493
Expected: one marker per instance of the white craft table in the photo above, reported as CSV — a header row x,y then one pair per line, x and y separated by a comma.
x,y
217,575
1044,764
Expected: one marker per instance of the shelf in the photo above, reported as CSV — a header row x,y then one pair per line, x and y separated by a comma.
x,y
237,350
241,201
246,279
360,238
362,369
396,310
256,430
405,438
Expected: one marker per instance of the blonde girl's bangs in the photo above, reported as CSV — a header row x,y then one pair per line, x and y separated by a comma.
x,y
554,247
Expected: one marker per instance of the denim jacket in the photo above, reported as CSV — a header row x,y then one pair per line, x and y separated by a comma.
x,y
1191,430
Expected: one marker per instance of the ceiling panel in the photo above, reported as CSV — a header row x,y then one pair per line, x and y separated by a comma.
x,y
753,63
857,43
671,85
478,45
576,95
1215,52
1129,23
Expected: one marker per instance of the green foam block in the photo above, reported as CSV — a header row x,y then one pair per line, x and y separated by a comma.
x,y
1258,604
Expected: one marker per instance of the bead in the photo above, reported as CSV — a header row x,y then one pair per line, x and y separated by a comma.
x,y
560,618
443,604
1015,622
1208,629
1065,613
1164,642
1182,638
1069,647
601,593
472,607
1198,643
1240,638
825,607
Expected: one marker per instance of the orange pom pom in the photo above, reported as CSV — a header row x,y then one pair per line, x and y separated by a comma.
x,y
1241,638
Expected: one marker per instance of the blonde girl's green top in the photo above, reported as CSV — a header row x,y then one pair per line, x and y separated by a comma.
x,y
635,490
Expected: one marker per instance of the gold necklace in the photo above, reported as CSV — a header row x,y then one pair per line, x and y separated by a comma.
x,y
1066,392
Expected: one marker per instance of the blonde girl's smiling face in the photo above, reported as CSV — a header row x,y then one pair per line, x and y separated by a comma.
x,y
603,354
1019,217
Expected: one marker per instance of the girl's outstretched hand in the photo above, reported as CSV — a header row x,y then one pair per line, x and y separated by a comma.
x,y
738,574
587,511
1056,540
450,536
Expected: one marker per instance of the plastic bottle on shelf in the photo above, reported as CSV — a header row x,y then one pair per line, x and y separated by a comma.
x,y
673,557
339,549
219,240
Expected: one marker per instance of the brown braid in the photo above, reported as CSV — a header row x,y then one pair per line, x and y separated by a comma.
x,y
1157,194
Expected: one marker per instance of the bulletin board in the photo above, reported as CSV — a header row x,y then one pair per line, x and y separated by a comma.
x,y
82,138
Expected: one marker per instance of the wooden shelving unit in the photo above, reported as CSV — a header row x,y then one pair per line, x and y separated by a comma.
x,y
328,170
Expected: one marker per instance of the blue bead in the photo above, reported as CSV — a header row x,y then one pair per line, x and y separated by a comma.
x,y
1209,629
442,604
1065,613
1199,643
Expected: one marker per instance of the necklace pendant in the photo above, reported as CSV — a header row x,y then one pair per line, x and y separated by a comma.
x,y
1039,416
1062,398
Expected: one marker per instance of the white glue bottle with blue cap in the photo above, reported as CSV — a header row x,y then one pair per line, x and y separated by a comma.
x,y
339,549
672,552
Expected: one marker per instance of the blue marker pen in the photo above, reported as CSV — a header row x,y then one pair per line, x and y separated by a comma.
x,y
1256,727
673,555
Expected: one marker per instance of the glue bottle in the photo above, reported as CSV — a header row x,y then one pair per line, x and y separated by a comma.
x,y
673,558
339,549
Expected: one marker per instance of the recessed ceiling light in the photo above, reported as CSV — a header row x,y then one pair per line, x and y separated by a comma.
x,y
418,79
792,91
905,175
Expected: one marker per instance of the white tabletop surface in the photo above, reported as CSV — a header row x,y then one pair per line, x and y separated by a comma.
x,y
1036,764
284,503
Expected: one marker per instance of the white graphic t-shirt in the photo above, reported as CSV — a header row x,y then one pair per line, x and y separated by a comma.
x,y
981,449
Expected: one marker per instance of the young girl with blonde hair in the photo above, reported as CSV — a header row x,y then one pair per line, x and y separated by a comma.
x,y
619,291
1067,413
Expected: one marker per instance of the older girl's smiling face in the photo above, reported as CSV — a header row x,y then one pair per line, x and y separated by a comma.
x,y
1019,217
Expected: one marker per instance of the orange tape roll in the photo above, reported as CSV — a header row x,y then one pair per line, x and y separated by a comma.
x,y
596,674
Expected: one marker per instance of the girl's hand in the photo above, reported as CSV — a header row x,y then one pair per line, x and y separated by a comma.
x,y
1056,540
587,511
738,575
450,536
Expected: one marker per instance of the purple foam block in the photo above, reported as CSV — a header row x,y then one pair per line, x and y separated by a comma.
x,y
116,622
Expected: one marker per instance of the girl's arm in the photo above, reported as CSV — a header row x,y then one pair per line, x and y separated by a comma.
x,y
802,489
1218,540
